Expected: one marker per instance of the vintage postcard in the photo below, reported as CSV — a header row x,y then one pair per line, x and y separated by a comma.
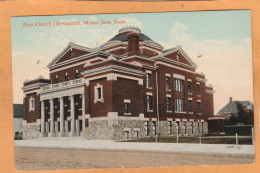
x,y
133,90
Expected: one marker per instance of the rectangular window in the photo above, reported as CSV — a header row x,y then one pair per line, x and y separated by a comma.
x,y
178,84
169,127
184,127
179,105
199,107
67,78
198,89
99,93
146,126
149,102
148,80
127,107
86,123
80,125
191,127
58,126
189,87
69,125
190,105
76,75
126,134
31,104
199,127
168,83
168,103
154,128
178,127
202,127
137,134
56,80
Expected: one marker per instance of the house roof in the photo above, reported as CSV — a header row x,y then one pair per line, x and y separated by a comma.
x,y
123,37
18,110
226,108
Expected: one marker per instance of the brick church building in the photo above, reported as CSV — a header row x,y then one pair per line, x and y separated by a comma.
x,y
128,88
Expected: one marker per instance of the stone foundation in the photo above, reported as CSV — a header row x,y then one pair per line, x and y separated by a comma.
x,y
121,128
31,131
117,128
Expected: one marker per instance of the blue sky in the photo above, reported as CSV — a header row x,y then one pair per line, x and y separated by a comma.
x,y
222,37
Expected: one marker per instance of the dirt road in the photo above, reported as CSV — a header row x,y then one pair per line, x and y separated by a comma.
x,y
27,159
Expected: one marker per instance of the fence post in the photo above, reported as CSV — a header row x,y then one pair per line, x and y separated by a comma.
x,y
236,139
253,136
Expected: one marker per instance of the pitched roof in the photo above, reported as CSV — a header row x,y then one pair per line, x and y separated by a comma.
x,y
226,108
18,110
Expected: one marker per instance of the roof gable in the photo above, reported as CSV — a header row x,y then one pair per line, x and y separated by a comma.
x,y
179,55
226,108
72,51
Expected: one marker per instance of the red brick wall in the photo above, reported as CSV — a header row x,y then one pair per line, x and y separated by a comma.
x,y
127,89
133,44
209,108
148,53
37,81
32,116
154,96
75,53
71,73
184,95
100,109
173,56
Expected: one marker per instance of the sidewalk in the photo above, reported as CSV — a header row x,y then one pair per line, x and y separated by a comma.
x,y
82,143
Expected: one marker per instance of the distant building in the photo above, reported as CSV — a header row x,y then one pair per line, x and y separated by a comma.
x,y
231,107
18,117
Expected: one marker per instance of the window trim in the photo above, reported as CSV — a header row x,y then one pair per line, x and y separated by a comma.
x,y
146,128
184,124
179,105
154,127
168,82
127,108
168,104
96,93
31,104
148,77
149,104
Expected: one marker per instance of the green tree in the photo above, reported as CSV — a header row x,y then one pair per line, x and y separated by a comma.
x,y
242,116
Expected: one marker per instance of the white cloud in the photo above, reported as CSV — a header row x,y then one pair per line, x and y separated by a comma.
x,y
227,64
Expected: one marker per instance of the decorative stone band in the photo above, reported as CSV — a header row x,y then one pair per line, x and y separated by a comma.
x,y
114,76
33,86
178,76
201,80
38,122
62,93
216,118
114,68
210,92
114,116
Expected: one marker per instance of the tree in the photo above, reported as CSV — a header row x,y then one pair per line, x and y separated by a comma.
x,y
242,116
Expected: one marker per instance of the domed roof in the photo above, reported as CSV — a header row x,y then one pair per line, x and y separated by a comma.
x,y
122,35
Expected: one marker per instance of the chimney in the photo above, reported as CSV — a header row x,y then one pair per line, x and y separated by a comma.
x,y
133,43
230,103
